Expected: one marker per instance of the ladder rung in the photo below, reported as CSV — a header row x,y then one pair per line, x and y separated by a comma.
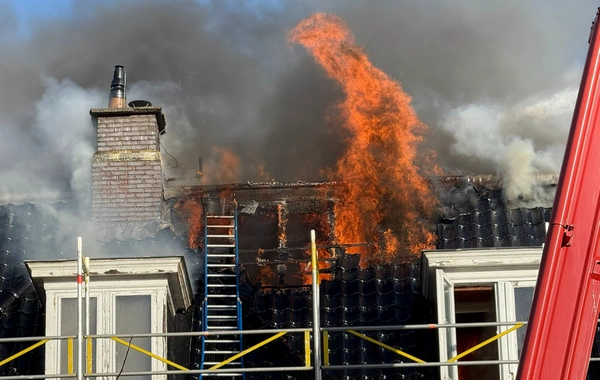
x,y
221,236
221,341
222,295
220,216
221,285
220,225
221,328
221,255
232,313
221,275
222,316
220,245
220,265
221,352
221,306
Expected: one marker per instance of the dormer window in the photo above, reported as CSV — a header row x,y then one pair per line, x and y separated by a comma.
x,y
127,296
480,286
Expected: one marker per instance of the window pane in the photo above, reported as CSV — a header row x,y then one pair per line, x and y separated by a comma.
x,y
523,300
476,304
68,326
133,317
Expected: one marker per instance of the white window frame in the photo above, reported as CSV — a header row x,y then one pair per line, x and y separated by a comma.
x,y
106,293
163,279
504,269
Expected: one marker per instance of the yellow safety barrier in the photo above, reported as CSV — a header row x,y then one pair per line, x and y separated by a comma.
x,y
23,352
139,349
496,337
307,348
239,355
325,347
70,356
399,352
89,356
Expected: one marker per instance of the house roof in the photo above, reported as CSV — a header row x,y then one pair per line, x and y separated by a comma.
x,y
476,213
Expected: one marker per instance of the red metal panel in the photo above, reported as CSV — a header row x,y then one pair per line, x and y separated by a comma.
x,y
565,306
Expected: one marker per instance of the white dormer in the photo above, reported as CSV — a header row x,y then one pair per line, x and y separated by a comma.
x,y
480,285
127,296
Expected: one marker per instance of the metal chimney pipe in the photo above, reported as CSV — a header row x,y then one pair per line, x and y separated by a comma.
x,y
117,98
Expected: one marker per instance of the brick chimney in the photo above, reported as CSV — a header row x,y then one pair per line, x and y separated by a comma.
x,y
126,169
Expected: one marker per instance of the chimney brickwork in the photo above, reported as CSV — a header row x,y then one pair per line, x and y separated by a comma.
x,y
126,169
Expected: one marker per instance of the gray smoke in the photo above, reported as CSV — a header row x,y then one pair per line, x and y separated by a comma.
x,y
483,75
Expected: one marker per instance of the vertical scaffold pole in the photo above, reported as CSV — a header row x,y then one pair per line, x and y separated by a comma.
x,y
316,306
79,311
86,270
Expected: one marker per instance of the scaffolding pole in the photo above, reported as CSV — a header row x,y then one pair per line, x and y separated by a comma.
x,y
79,310
316,314
86,271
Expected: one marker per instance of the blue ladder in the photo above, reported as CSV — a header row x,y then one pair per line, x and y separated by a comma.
x,y
221,308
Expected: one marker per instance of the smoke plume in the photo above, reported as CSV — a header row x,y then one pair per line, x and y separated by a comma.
x,y
494,81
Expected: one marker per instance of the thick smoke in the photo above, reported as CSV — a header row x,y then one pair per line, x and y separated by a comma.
x,y
495,81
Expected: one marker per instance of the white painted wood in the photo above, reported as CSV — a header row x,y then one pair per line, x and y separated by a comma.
x,y
173,268
446,314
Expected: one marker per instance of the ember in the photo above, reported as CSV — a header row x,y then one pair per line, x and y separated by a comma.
x,y
385,199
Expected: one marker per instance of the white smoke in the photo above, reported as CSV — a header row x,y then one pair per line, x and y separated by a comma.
x,y
518,140
68,131
518,169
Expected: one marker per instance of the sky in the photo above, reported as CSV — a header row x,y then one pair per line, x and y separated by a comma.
x,y
495,82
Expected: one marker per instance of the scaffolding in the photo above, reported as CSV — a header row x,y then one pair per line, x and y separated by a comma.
x,y
316,357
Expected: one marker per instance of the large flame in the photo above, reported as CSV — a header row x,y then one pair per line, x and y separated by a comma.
x,y
385,198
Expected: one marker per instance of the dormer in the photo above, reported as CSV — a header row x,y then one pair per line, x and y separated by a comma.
x,y
126,296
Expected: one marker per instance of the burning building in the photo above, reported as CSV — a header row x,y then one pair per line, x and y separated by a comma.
x,y
373,218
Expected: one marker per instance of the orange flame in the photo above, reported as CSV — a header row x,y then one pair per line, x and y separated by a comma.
x,y
266,275
224,166
192,211
385,198
282,221
305,275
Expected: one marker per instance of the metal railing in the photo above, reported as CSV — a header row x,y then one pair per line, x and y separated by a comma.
x,y
278,333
